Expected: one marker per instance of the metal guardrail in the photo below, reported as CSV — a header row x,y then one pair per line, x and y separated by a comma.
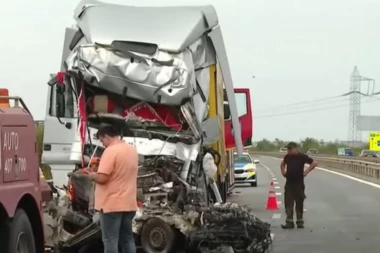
x,y
356,158
366,170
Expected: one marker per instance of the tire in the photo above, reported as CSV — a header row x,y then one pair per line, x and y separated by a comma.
x,y
4,233
157,237
254,184
21,237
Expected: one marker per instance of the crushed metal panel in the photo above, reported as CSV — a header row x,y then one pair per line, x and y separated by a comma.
x,y
218,42
171,28
200,106
144,146
69,35
159,60
144,80
368,123
164,78
212,128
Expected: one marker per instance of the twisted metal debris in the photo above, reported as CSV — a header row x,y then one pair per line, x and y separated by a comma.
x,y
231,225
220,228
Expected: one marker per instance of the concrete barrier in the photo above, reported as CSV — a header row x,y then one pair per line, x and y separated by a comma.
x,y
362,169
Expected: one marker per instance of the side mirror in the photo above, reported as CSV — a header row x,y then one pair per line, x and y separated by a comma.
x,y
256,161
60,103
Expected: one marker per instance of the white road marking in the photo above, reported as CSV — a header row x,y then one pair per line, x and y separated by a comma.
x,y
278,193
272,236
276,216
274,179
277,187
275,182
339,174
267,168
305,210
279,202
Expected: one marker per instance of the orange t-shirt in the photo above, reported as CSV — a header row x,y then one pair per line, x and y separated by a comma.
x,y
120,162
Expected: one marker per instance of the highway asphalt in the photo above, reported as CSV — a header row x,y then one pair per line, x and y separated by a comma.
x,y
341,214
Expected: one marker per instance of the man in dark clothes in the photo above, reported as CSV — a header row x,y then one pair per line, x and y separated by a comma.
x,y
292,168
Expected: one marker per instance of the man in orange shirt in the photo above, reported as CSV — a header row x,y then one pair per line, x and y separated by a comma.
x,y
116,191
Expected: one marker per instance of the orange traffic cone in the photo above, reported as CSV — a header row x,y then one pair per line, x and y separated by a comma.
x,y
272,199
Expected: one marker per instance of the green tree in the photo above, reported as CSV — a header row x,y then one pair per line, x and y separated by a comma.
x,y
279,143
309,143
323,146
265,145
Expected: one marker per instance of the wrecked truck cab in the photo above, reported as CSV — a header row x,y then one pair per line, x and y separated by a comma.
x,y
188,60
159,82
150,61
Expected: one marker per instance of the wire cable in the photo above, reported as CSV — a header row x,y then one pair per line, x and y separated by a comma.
x,y
320,101
304,106
308,102
309,110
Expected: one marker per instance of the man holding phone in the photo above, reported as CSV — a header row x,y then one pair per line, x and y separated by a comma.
x,y
116,191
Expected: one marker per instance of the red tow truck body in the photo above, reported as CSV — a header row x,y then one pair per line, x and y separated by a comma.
x,y
21,217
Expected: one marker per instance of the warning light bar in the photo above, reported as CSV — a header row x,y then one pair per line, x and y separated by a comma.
x,y
4,101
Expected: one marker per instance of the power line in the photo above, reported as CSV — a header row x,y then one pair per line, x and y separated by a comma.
x,y
309,110
306,102
304,105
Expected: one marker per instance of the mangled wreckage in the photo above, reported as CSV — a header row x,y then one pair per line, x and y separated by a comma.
x,y
152,79
172,218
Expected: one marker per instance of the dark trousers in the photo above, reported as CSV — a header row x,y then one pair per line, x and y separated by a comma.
x,y
294,194
117,232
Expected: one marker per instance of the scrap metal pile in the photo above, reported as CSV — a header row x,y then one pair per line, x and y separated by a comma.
x,y
206,228
172,204
231,225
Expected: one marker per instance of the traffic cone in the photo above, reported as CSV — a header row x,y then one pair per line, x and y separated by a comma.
x,y
272,201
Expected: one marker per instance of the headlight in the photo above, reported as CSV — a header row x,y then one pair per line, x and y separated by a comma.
x,y
251,168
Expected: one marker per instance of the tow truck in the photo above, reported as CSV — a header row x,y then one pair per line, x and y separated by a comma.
x,y
167,86
23,190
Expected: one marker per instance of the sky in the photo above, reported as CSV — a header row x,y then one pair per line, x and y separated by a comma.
x,y
299,52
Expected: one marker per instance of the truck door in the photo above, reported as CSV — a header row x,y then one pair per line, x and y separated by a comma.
x,y
243,103
60,125
14,153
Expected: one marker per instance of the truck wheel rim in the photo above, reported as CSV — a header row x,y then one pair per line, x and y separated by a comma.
x,y
157,238
22,245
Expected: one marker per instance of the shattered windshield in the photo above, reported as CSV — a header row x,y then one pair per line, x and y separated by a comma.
x,y
243,159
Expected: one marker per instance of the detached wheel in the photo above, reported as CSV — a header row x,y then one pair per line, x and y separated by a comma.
x,y
21,238
157,237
